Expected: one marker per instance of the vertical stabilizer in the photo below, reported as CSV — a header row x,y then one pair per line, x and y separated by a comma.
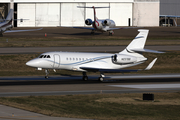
x,y
138,42
10,15
94,13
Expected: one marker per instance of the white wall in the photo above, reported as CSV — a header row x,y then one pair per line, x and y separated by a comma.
x,y
26,11
47,14
146,14
71,15
120,13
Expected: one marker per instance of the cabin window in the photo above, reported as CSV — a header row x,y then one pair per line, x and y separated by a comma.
x,y
73,59
70,58
48,56
76,59
66,58
80,59
83,59
41,56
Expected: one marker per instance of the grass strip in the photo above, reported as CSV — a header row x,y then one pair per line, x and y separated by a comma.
x,y
101,106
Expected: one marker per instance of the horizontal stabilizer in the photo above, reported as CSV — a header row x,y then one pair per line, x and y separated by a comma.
x,y
145,50
151,64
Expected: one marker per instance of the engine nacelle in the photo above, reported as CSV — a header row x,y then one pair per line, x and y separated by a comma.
x,y
88,22
107,22
123,59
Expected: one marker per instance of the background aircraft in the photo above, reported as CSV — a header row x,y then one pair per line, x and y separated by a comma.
x,y
96,62
6,26
100,25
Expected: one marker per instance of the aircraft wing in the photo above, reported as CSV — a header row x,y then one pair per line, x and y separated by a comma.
x,y
122,28
90,69
10,31
85,28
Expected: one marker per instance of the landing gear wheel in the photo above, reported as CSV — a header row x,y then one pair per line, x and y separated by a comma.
x,y
111,33
101,79
92,33
85,78
46,77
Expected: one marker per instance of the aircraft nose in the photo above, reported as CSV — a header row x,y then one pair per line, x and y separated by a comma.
x,y
33,63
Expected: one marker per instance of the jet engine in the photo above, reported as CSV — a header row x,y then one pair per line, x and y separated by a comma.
x,y
107,22
123,59
88,22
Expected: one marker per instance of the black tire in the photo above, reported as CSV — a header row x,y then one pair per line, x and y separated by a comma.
x,y
101,79
85,78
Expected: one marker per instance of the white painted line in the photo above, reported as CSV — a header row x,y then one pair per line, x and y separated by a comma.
x,y
144,86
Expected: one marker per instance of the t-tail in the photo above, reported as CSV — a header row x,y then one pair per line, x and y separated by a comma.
x,y
94,8
138,43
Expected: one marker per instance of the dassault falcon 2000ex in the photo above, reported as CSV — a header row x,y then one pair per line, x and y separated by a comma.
x,y
96,62
103,25
6,25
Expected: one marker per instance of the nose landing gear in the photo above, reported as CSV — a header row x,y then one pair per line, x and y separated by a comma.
x,y
47,73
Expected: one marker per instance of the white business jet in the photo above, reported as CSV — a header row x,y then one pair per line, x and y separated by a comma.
x,y
103,25
6,25
96,62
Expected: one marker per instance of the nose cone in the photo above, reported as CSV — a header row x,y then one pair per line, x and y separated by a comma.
x,y
33,63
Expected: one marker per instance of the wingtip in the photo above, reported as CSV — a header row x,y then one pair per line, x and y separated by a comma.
x,y
151,64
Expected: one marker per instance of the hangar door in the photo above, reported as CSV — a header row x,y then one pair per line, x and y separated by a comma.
x,y
47,14
71,15
26,11
120,13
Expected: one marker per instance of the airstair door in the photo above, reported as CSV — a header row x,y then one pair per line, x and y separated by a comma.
x,y
56,61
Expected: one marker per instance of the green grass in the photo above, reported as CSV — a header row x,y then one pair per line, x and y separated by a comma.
x,y
101,106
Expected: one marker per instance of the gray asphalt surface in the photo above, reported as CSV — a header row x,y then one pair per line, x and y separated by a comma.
x,y
27,50
65,85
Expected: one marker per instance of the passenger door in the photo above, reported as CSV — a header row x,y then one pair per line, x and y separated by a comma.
x,y
56,61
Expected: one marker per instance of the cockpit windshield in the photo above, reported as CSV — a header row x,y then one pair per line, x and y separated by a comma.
x,y
44,56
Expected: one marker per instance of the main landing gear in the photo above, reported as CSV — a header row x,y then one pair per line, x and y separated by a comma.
x,y
92,32
85,77
101,78
111,33
1,35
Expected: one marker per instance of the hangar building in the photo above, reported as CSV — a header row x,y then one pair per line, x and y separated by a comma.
x,y
49,13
